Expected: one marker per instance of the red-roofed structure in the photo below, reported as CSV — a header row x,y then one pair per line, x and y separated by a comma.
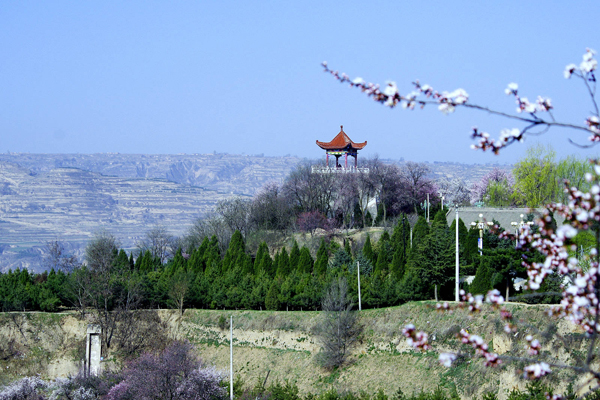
x,y
341,145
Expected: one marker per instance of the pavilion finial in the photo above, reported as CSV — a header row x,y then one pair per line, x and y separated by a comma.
x,y
342,127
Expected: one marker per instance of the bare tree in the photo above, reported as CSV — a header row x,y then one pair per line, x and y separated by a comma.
x,y
455,191
339,327
101,252
388,183
113,290
235,213
416,185
306,191
78,288
367,189
159,242
57,257
346,197
178,289
270,209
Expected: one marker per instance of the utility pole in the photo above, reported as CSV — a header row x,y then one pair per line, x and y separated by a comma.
x,y
231,357
358,271
456,285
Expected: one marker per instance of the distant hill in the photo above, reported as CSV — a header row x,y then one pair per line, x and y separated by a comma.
x,y
68,197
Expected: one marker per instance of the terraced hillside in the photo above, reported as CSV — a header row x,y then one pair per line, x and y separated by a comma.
x,y
71,204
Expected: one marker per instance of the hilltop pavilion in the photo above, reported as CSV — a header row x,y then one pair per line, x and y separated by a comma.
x,y
342,145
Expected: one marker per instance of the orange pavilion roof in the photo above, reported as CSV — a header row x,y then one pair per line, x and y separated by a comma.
x,y
340,142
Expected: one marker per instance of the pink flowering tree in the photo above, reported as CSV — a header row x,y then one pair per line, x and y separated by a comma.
x,y
312,220
176,373
494,188
580,278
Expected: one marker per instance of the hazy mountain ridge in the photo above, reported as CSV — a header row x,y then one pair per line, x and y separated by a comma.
x,y
226,173
68,197
71,204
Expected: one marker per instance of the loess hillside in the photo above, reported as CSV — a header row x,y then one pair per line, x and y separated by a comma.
x,y
282,346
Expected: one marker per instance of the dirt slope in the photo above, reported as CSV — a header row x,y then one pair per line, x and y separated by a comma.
x,y
282,343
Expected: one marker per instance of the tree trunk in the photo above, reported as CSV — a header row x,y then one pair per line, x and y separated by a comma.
x,y
435,291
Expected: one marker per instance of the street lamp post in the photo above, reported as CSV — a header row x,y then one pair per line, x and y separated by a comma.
x,y
519,227
481,225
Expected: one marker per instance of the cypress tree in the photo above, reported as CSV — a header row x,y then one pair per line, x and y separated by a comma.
x,y
398,263
294,256
420,231
367,251
347,247
462,238
272,299
320,266
195,263
440,219
306,262
138,260
268,265
147,263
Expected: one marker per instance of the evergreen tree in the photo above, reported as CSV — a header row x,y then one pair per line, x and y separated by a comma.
x,y
272,299
471,249
381,266
195,263
432,260
146,263
283,263
420,231
320,267
368,252
235,249
305,263
294,256
358,220
340,261
462,239
347,247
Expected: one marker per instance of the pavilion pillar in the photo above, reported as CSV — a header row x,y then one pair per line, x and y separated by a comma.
x,y
356,160
346,161
327,159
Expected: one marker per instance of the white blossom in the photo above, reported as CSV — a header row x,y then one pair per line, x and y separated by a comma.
x,y
446,359
511,89
391,89
446,108
589,63
569,69
535,371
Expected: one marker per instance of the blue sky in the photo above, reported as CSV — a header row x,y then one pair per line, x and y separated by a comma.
x,y
245,77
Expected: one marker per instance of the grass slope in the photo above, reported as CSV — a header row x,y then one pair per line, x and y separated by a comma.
x,y
281,345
